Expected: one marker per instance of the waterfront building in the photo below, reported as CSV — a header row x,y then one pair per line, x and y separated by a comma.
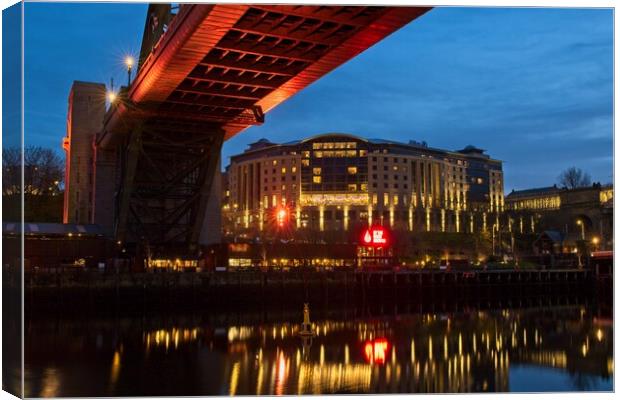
x,y
48,246
330,186
577,214
84,121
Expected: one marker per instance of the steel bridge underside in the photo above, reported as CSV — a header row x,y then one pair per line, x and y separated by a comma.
x,y
214,72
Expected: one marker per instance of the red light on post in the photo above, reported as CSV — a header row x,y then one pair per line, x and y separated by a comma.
x,y
281,216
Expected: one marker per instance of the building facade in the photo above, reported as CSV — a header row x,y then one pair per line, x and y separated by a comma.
x,y
577,214
339,183
84,121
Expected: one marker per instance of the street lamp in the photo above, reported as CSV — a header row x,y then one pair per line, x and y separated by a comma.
x,y
129,61
583,232
595,242
111,96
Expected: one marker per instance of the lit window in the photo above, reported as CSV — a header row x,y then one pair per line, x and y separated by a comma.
x,y
275,162
305,162
352,187
395,167
283,170
352,170
395,202
316,171
364,187
386,199
316,179
293,169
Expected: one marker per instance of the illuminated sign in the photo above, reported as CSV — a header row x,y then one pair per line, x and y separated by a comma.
x,y
375,236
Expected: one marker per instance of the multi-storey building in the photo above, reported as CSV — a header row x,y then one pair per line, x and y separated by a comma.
x,y
340,182
84,120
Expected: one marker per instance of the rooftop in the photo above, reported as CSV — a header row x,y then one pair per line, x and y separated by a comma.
x,y
533,192
263,143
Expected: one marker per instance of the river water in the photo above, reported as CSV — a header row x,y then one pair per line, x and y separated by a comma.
x,y
563,348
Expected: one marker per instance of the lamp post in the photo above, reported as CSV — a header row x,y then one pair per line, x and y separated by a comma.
x,y
129,61
583,232
493,239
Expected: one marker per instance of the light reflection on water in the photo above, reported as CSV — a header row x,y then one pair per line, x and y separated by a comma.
x,y
467,352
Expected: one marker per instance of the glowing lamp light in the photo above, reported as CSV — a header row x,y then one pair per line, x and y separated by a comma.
x,y
129,61
111,97
281,216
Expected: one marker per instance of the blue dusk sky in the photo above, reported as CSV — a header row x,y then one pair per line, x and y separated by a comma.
x,y
532,86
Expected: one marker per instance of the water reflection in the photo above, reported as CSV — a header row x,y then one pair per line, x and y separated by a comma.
x,y
466,352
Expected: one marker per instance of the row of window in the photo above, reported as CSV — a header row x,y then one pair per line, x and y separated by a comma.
x,y
282,179
405,160
351,170
334,145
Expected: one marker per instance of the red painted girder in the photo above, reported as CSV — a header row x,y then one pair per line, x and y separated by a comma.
x,y
197,29
192,34
390,21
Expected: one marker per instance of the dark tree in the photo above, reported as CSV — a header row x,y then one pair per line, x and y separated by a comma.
x,y
43,174
573,178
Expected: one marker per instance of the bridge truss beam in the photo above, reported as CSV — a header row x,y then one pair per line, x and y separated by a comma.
x,y
165,181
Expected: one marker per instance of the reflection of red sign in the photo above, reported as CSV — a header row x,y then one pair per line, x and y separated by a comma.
x,y
376,351
375,236
239,247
